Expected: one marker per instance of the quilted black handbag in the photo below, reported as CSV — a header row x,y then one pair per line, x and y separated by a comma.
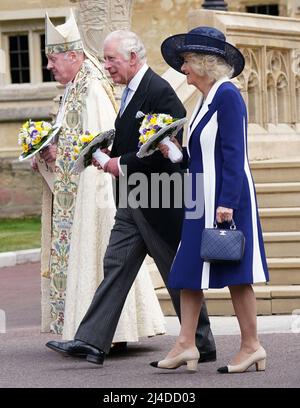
x,y
222,245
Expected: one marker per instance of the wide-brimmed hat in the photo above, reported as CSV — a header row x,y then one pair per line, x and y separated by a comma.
x,y
203,40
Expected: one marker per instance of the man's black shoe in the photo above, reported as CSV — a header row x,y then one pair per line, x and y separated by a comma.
x,y
78,348
207,356
118,348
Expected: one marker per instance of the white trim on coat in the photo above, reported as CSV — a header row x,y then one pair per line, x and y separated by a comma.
x,y
207,142
204,108
258,272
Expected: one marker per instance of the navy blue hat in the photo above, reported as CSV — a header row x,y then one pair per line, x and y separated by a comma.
x,y
203,40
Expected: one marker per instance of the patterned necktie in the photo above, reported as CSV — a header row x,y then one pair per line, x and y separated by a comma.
x,y
123,99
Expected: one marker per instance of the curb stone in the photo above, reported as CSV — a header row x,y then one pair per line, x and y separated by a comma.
x,y
19,257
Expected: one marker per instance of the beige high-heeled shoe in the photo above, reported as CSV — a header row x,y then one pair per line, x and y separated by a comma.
x,y
258,358
189,357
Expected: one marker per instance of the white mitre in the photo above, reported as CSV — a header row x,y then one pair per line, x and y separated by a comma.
x,y
66,37
62,38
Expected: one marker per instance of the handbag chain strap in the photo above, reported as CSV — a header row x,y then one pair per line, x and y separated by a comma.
x,y
232,224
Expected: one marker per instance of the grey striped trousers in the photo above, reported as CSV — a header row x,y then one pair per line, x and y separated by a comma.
x,y
131,239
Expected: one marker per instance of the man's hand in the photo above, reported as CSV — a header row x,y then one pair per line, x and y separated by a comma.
x,y
100,157
112,167
33,164
166,149
49,153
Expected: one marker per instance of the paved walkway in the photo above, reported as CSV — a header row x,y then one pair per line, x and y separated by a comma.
x,y
27,363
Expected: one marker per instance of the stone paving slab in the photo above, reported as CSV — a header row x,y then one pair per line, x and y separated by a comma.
x,y
27,363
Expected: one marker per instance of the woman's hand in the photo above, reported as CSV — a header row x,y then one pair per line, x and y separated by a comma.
x,y
176,143
164,150
224,214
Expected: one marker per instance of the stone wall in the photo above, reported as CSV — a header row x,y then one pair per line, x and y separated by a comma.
x,y
8,5
20,189
154,21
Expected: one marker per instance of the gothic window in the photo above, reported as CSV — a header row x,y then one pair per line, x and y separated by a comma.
x,y
250,84
282,99
271,92
270,9
47,75
253,98
19,59
23,44
279,98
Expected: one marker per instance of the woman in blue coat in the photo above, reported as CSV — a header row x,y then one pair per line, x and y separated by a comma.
x,y
216,150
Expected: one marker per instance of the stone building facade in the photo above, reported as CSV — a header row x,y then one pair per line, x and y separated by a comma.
x,y
270,84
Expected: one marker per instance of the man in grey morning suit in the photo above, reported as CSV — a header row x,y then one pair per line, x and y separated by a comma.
x,y
137,231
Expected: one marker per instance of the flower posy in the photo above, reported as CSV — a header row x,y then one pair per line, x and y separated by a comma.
x,y
81,142
152,123
32,135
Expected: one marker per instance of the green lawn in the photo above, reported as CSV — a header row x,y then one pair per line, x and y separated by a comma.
x,y
16,234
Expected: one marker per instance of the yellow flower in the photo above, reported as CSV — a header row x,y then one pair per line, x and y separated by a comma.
x,y
24,148
26,125
36,140
150,133
84,139
90,137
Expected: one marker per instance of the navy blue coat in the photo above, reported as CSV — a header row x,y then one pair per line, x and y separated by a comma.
x,y
221,176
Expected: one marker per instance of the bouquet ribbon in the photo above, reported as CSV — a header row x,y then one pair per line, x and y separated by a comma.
x,y
174,154
102,158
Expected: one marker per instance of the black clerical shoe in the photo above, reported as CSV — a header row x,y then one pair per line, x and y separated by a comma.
x,y
118,348
78,348
207,356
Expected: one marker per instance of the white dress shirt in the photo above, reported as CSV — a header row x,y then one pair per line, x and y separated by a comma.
x,y
133,86
134,83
